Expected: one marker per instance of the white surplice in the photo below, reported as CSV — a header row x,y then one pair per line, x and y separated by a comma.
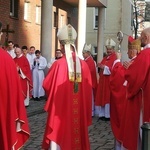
x,y
12,53
30,58
38,77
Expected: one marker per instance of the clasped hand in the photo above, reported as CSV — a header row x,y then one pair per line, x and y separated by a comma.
x,y
126,64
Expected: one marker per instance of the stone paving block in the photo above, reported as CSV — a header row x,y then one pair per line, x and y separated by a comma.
x,y
100,134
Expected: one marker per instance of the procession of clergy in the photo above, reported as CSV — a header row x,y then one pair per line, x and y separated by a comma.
x,y
110,89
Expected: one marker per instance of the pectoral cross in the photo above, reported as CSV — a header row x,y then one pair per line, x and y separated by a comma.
x,y
7,31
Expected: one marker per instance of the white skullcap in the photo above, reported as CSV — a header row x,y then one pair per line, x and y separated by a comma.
x,y
67,34
110,43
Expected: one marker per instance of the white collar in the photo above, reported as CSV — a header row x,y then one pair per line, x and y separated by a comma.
x,y
133,58
20,56
147,46
88,57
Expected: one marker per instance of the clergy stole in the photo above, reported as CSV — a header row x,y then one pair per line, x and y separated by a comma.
x,y
76,131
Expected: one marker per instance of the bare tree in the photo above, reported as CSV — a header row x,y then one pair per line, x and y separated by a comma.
x,y
135,20
138,13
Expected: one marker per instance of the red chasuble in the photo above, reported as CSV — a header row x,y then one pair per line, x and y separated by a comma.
x,y
23,63
117,98
103,88
69,112
138,94
90,62
12,108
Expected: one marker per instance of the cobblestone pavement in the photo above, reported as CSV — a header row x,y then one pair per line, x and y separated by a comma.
x,y
100,134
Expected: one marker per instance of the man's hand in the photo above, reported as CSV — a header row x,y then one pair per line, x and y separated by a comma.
x,y
118,55
101,66
18,68
126,64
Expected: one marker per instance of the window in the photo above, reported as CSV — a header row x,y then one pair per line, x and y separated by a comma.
x,y
27,11
62,21
55,19
38,14
14,5
95,18
68,20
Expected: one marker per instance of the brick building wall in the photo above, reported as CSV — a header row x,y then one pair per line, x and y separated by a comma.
x,y
25,32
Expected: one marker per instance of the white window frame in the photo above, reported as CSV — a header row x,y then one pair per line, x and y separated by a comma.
x,y
27,10
95,22
62,22
12,7
38,14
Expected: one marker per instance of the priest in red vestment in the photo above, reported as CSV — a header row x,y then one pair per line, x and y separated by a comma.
x,y
14,129
118,84
138,93
103,88
87,55
24,71
69,89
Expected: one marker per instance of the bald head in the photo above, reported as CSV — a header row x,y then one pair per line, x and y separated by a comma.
x,y
145,37
146,31
18,51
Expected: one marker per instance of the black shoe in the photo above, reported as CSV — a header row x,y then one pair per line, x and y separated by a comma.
x,y
32,98
42,97
36,99
107,119
101,118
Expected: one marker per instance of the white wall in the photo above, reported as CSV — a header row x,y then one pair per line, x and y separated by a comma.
x,y
118,18
91,34
126,27
113,19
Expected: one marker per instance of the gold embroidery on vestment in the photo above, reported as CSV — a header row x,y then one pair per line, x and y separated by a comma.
x,y
75,101
76,121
